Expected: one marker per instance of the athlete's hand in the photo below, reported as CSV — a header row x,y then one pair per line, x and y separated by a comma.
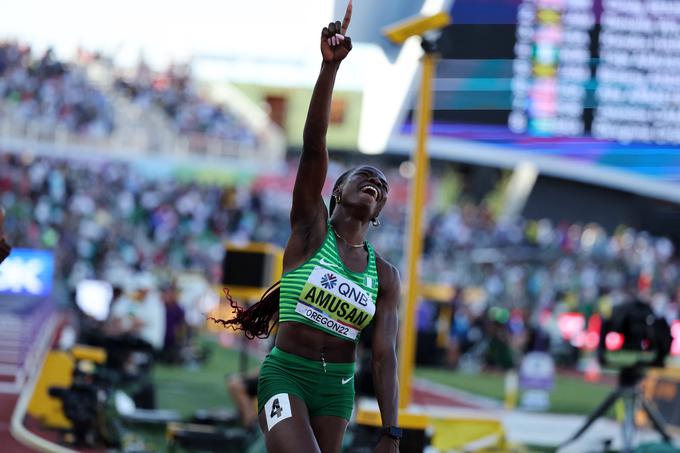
x,y
5,248
387,445
335,46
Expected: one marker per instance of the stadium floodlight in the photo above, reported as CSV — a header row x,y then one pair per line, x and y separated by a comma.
x,y
416,26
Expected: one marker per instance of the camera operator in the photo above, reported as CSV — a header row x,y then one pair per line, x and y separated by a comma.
x,y
135,335
641,328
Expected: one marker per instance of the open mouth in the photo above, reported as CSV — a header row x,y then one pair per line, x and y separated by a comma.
x,y
371,190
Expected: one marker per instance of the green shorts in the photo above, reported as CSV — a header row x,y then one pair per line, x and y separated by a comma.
x,y
325,393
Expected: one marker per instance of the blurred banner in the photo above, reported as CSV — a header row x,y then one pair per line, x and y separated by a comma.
x,y
27,272
661,387
26,314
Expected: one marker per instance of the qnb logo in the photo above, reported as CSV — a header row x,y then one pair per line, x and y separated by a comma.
x,y
329,281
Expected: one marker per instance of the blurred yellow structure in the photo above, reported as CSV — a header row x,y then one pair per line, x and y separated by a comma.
x,y
271,258
450,431
661,387
416,26
271,269
57,371
415,238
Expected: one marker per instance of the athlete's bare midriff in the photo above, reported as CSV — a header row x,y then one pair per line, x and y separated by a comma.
x,y
308,342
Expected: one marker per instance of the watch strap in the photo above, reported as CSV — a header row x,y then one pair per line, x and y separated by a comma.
x,y
392,431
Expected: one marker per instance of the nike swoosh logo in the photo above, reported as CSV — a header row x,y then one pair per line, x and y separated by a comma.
x,y
323,262
345,381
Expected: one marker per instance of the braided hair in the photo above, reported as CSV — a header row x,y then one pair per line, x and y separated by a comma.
x,y
258,320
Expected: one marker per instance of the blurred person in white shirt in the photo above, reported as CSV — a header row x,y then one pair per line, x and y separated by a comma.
x,y
140,312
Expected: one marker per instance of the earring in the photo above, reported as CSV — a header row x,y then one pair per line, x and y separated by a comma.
x,y
337,198
375,222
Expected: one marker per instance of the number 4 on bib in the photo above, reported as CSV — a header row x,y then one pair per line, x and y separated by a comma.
x,y
277,409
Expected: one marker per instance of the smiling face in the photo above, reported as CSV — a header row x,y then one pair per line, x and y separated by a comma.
x,y
365,187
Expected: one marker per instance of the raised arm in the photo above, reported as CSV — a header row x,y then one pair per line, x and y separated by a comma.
x,y
308,206
385,379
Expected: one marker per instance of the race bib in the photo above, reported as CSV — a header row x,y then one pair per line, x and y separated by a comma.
x,y
277,409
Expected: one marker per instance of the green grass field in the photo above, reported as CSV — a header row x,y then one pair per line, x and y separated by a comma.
x,y
187,390
571,395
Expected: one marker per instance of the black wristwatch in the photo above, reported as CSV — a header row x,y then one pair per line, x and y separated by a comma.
x,y
394,432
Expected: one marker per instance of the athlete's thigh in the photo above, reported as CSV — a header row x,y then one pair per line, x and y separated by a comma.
x,y
284,420
329,432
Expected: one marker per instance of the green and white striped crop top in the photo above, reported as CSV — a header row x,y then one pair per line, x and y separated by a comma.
x,y
325,294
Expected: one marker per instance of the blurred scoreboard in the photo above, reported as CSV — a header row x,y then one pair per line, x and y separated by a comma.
x,y
586,89
618,59
605,69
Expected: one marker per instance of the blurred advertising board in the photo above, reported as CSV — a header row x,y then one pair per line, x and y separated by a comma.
x,y
537,380
662,387
27,272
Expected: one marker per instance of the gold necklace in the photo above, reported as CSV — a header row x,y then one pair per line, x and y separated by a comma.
x,y
356,246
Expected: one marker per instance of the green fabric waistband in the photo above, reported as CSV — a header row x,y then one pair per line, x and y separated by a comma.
x,y
313,365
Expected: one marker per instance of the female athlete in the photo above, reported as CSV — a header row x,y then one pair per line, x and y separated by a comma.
x,y
334,285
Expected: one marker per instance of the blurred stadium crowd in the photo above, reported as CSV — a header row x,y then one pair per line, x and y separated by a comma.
x,y
109,221
174,92
101,215
106,220
51,93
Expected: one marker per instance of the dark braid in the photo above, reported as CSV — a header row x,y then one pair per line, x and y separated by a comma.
x,y
258,320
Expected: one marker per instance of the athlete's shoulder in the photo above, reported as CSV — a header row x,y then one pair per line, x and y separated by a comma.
x,y
388,274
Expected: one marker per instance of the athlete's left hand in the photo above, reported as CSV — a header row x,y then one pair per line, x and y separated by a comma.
x,y
335,44
387,445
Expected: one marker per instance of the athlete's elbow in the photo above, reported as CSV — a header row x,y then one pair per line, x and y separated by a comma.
x,y
384,357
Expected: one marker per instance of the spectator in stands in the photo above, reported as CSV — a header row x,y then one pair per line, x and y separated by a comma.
x,y
50,93
141,314
175,324
112,326
101,214
5,248
133,336
243,392
499,353
175,93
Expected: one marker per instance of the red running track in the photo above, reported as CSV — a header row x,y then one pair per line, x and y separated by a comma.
x,y
423,396
8,443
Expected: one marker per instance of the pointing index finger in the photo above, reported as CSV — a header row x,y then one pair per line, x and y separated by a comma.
x,y
347,19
